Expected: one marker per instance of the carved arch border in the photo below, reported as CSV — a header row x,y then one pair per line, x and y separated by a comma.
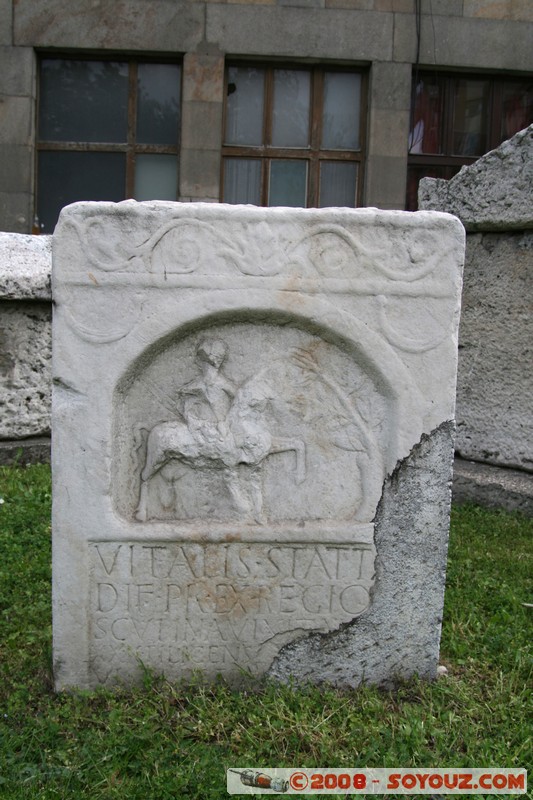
x,y
319,317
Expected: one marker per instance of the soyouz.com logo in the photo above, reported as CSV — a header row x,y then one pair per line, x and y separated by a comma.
x,y
376,781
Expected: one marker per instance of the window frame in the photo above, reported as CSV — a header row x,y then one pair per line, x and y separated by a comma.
x,y
313,153
131,148
446,164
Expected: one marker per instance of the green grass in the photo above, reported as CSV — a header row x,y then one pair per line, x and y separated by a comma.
x,y
167,741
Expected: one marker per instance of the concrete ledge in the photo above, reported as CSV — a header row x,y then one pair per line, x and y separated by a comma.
x,y
25,451
492,487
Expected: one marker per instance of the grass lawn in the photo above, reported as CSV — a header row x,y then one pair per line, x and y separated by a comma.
x,y
166,741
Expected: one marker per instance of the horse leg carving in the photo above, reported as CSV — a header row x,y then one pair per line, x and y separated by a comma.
x,y
142,512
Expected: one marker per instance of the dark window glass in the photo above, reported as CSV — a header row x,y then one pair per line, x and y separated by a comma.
x,y
83,101
70,176
470,120
108,130
158,103
517,108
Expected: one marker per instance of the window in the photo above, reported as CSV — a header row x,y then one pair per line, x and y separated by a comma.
x,y
293,136
108,130
457,118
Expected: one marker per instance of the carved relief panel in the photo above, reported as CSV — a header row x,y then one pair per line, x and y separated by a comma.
x,y
233,386
249,422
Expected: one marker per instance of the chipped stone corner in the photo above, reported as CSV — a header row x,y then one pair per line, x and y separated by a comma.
x,y
398,636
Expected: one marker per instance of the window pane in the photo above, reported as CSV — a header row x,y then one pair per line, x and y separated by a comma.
x,y
156,177
242,180
158,103
288,183
65,177
83,101
290,123
338,183
470,117
426,134
342,100
517,108
244,110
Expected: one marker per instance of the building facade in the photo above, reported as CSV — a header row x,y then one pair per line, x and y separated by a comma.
x,y
274,102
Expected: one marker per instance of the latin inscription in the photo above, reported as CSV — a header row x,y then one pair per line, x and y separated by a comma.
x,y
184,607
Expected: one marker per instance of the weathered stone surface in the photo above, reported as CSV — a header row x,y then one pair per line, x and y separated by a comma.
x,y
34,450
168,25
463,42
494,384
25,369
25,267
232,387
495,193
494,487
399,635
312,32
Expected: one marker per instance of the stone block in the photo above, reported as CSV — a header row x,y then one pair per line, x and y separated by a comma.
x,y
495,385
25,267
16,211
495,193
16,165
166,26
390,86
17,71
446,8
6,26
25,369
388,131
358,5
290,32
399,6
493,487
465,42
16,120
385,181
499,9
302,3
252,441
200,174
201,126
203,78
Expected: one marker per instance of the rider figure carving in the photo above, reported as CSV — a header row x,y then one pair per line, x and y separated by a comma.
x,y
205,401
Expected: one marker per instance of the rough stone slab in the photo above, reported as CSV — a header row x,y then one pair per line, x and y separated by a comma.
x,y
25,451
495,193
494,384
25,267
233,388
400,633
25,369
493,487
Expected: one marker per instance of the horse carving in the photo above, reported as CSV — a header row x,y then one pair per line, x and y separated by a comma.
x,y
221,426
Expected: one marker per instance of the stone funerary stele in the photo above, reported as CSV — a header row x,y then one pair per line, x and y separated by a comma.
x,y
252,441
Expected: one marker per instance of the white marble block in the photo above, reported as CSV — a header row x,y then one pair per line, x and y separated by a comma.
x,y
252,441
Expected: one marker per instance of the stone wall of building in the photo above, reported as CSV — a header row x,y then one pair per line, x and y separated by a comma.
x,y
494,200
379,36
